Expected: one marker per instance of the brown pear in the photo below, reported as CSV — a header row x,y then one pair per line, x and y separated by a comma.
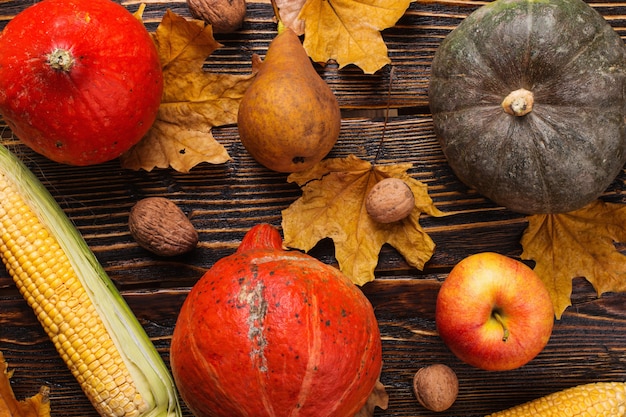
x,y
289,118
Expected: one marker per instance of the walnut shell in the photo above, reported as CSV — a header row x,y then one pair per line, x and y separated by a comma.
x,y
390,200
225,16
160,226
436,387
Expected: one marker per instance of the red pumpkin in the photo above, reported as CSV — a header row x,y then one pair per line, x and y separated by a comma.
x,y
80,80
269,332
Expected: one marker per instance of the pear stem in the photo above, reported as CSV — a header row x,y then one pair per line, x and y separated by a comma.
x,y
505,333
276,12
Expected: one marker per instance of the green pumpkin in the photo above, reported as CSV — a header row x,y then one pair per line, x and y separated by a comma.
x,y
528,103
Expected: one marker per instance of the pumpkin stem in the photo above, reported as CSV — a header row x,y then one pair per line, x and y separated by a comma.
x,y
519,102
60,60
261,236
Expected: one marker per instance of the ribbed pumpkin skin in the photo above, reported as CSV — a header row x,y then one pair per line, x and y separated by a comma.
x,y
571,146
267,332
99,107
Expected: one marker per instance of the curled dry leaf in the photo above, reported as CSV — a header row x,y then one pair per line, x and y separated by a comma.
x,y
289,12
578,244
36,406
333,205
194,101
378,398
347,31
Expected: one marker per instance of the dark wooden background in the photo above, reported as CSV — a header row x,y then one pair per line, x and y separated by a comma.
x,y
223,201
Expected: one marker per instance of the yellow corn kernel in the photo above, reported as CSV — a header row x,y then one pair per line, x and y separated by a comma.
x,y
601,399
88,320
26,247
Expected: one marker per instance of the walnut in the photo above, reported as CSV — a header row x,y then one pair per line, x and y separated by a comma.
x,y
225,16
160,226
390,200
436,387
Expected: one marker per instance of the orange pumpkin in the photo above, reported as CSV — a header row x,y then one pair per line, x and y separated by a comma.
x,y
266,332
80,80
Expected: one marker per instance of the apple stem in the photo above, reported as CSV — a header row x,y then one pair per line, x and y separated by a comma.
x,y
505,335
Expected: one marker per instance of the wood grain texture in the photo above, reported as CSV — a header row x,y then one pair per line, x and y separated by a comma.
x,y
224,201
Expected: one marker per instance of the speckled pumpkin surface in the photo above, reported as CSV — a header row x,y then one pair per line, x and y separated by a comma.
x,y
269,332
559,151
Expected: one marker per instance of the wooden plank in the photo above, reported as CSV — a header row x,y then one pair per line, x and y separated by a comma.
x,y
224,201
411,42
588,342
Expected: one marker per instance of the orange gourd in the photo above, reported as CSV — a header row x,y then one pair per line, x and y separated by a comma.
x,y
266,332
80,80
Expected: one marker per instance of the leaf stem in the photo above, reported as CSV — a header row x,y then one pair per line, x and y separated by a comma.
x,y
382,137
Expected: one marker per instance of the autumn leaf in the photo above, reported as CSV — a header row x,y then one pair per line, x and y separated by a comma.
x,y
138,14
194,101
289,10
347,31
578,244
378,398
36,406
333,205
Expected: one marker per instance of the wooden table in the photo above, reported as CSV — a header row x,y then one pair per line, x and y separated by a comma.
x,y
224,201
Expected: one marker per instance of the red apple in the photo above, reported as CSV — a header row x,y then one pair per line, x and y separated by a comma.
x,y
493,312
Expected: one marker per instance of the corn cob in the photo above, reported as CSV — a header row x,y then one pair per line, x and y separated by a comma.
x,y
86,318
601,399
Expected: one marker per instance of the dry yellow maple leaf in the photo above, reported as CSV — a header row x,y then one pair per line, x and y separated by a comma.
x,y
578,244
36,406
347,31
194,101
333,205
